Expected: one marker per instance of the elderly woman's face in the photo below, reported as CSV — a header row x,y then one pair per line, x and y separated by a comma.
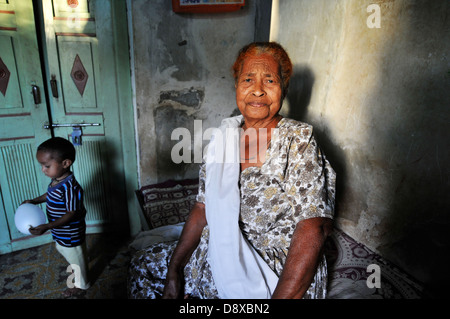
x,y
258,88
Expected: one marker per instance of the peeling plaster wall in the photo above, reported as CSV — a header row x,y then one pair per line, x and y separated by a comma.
x,y
379,100
183,73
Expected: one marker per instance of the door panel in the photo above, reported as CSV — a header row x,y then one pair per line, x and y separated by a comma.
x,y
78,57
19,170
80,53
21,119
9,76
90,169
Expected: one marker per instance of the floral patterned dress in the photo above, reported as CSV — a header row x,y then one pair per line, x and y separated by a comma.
x,y
295,183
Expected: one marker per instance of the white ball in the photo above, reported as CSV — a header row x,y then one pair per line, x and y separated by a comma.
x,y
28,215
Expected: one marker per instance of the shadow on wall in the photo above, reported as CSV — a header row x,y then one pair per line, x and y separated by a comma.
x,y
406,154
102,176
410,108
299,97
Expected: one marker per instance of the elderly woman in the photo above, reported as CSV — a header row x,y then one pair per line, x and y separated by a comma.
x,y
261,218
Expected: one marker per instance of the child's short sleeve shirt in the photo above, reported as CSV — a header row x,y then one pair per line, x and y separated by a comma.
x,y
67,196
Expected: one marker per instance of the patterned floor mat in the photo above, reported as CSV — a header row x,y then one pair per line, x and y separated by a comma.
x,y
41,272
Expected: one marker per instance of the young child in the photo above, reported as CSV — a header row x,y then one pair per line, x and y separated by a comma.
x,y
65,210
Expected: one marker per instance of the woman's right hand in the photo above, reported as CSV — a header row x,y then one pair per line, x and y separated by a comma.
x,y
188,242
173,286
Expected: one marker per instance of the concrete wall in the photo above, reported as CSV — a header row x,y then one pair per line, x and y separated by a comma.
x,y
379,100
182,65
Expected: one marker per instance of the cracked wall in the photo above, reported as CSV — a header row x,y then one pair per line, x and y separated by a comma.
x,y
182,74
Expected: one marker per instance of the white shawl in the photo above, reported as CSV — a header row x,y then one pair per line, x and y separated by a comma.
x,y
238,270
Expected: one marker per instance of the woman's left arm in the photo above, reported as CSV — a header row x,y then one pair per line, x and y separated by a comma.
x,y
302,260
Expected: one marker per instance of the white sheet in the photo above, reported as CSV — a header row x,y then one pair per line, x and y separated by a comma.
x,y
153,236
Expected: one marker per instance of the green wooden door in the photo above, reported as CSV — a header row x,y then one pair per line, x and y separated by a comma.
x,y
21,118
81,55
85,57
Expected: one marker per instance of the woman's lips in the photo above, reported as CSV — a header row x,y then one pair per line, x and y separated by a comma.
x,y
257,104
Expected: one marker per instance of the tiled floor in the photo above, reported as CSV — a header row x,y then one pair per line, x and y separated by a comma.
x,y
41,272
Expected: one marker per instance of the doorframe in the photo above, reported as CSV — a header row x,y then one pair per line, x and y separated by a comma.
x,y
125,72
139,222
133,83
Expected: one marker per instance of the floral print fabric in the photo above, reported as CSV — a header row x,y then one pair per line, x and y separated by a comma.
x,y
295,183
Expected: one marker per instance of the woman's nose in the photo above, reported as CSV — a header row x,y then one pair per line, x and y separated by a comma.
x,y
258,89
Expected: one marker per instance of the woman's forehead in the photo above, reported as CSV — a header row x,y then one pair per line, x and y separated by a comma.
x,y
260,63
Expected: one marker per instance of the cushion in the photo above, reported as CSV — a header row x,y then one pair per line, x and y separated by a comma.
x,y
167,203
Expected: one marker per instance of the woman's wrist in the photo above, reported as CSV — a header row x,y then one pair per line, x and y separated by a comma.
x,y
174,271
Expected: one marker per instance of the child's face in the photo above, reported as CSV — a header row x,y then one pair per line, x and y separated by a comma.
x,y
50,166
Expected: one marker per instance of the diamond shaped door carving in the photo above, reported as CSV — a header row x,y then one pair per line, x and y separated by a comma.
x,y
4,77
79,75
